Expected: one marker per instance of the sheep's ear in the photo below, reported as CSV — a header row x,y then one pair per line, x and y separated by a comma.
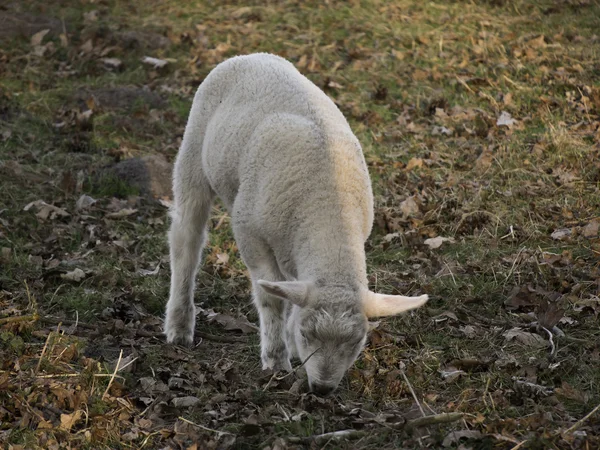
x,y
381,305
292,291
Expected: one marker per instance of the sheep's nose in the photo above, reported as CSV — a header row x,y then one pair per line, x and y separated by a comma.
x,y
322,389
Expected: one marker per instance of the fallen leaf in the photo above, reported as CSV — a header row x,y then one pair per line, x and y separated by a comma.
x,y
593,303
91,16
6,134
522,296
468,330
398,55
67,421
156,62
561,233
113,63
414,163
591,229
451,374
409,207
419,75
166,202
445,316
126,364
84,202
549,314
569,392
524,337
228,322
125,212
38,37
437,242
222,258
455,436
46,211
87,46
75,275
145,273
391,236
36,260
565,177
5,254
185,402
537,42
45,425
505,120
130,435
470,364
441,130
485,159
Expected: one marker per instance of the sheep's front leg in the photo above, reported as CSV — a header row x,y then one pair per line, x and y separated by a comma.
x,y
262,264
187,236
271,311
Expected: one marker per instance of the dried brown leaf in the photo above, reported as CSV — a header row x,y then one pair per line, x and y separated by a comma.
x,y
591,229
409,207
549,313
67,421
125,212
414,163
524,337
38,37
437,242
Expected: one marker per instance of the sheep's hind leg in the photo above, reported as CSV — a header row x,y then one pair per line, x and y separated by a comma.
x,y
187,237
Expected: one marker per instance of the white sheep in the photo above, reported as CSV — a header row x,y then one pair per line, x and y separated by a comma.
x,y
282,158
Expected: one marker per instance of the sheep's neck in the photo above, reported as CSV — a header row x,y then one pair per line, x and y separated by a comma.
x,y
332,255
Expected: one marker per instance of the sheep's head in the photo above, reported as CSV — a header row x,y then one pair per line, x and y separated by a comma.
x,y
328,327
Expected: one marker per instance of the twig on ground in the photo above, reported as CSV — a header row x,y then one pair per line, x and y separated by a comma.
x,y
57,321
537,388
216,338
483,319
202,427
200,334
68,375
465,85
465,216
144,333
34,317
580,422
354,434
342,434
37,368
413,393
113,375
293,372
552,346
433,420
15,319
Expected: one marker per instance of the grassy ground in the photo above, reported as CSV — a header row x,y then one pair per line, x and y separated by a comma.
x,y
480,123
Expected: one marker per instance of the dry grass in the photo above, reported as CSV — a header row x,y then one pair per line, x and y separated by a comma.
x,y
424,86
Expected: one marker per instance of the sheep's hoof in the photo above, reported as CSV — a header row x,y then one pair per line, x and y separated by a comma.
x,y
177,336
277,364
